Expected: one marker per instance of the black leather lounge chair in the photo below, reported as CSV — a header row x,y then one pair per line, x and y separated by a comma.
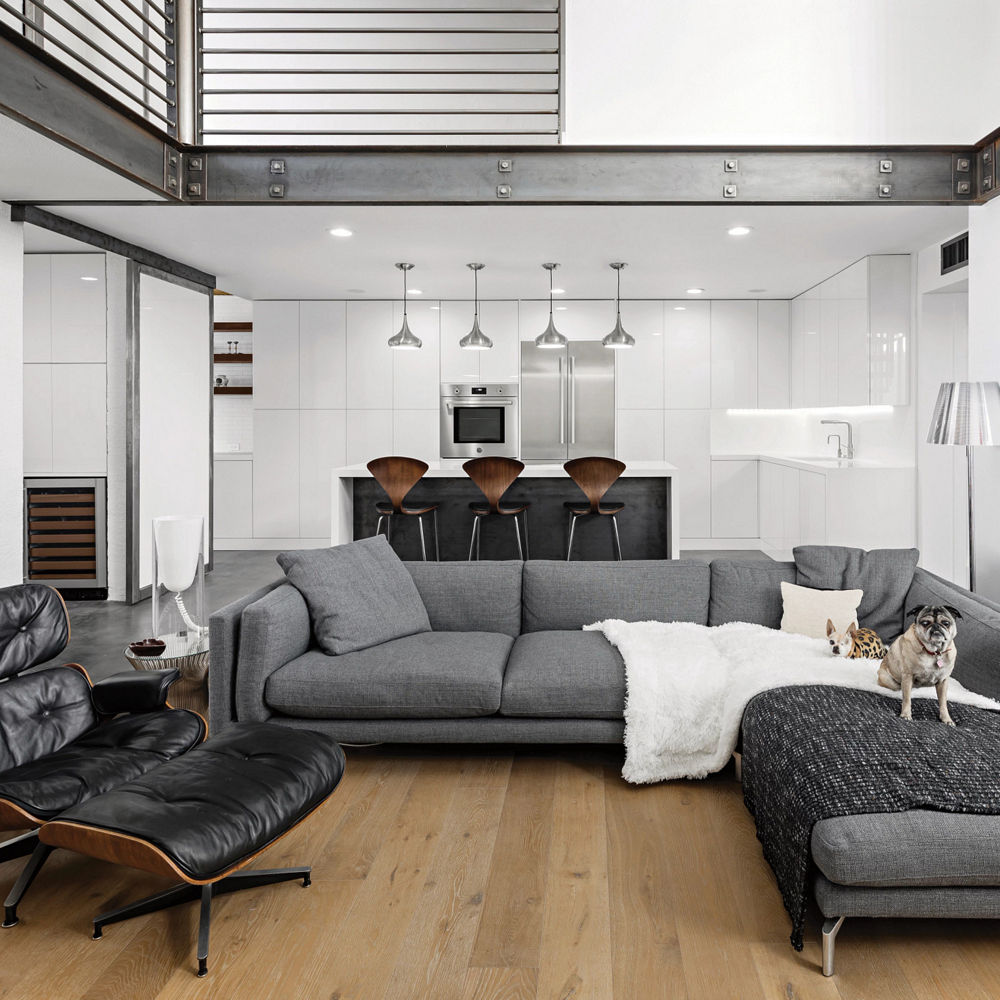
x,y
64,740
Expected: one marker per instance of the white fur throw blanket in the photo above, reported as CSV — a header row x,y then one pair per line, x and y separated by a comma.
x,y
687,686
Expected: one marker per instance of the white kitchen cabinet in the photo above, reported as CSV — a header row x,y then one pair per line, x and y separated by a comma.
x,y
773,353
322,447
276,473
79,308
369,435
458,365
275,356
734,354
829,329
416,374
791,512
37,419
369,357
639,369
580,319
853,375
805,365
232,508
734,499
503,362
889,328
79,419
417,434
639,435
687,355
812,508
322,356
687,444
37,308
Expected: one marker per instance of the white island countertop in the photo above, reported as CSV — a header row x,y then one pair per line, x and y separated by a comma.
x,y
814,463
532,470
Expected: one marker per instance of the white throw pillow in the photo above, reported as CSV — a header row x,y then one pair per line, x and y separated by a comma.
x,y
805,611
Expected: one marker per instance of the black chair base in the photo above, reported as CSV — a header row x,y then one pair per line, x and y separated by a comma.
x,y
18,847
387,516
187,893
39,856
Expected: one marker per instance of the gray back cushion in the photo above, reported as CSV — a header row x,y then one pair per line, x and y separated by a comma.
x,y
359,594
884,575
470,596
978,638
748,591
569,595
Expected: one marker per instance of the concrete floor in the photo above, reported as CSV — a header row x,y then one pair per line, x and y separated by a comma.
x,y
102,629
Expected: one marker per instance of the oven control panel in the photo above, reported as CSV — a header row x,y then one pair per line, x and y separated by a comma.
x,y
475,391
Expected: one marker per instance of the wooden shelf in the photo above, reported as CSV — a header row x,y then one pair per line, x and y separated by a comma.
x,y
233,359
233,327
232,390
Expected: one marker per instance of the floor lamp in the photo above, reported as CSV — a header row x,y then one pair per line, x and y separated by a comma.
x,y
967,413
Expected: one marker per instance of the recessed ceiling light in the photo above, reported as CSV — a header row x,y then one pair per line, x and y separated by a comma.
x,y
414,291
87,277
435,307
679,309
341,231
561,309
355,291
695,291
558,291
739,230
756,291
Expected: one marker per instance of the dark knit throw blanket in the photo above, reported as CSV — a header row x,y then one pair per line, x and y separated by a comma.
x,y
810,753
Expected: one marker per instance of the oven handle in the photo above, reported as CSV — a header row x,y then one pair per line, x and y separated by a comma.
x,y
450,404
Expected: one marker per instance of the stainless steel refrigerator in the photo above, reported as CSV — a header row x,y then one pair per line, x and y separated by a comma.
x,y
567,401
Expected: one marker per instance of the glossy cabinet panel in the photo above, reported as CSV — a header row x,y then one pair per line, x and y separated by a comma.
x,y
773,353
37,308
734,499
687,353
275,355
640,368
322,356
79,308
369,358
734,354
276,473
79,419
232,483
687,443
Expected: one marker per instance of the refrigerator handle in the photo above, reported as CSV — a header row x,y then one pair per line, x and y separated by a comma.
x,y
572,399
562,404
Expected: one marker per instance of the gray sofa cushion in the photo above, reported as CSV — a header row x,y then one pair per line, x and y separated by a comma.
x,y
569,595
978,639
573,675
748,591
915,848
434,675
470,596
884,575
359,594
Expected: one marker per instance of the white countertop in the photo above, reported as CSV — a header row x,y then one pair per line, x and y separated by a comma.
x,y
815,463
546,470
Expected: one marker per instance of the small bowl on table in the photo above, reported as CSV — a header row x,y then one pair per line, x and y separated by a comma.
x,y
147,647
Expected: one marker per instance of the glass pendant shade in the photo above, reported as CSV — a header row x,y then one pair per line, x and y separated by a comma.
x,y
550,337
475,339
406,339
619,338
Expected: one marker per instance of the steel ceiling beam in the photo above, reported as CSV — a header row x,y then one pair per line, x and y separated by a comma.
x,y
582,176
52,99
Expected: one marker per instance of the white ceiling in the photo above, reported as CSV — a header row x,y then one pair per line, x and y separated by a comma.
x,y
35,168
285,251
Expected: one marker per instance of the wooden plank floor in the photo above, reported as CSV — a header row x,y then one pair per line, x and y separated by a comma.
x,y
485,874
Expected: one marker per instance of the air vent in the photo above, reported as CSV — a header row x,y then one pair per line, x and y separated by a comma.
x,y
955,253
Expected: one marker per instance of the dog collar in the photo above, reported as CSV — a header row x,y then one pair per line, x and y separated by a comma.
x,y
937,656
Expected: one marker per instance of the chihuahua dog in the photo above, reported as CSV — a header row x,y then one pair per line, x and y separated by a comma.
x,y
923,655
856,643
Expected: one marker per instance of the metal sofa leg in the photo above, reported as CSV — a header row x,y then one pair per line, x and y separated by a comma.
x,y
830,929
23,883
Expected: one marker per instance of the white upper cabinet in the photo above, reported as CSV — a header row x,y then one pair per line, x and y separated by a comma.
x,y
458,365
640,368
369,358
322,355
37,308
734,354
502,363
687,353
416,374
276,355
773,353
79,308
850,336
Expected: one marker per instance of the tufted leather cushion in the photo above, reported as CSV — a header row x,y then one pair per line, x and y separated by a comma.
x,y
100,760
34,626
40,713
225,800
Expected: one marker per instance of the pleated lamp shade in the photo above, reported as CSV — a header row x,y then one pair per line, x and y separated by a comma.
x,y
966,413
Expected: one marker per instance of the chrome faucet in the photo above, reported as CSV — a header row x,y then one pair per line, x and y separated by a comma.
x,y
847,453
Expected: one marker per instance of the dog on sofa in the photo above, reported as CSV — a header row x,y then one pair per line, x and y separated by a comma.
x,y
856,643
922,656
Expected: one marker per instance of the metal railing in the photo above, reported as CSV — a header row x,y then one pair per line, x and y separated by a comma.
x,y
123,47
428,71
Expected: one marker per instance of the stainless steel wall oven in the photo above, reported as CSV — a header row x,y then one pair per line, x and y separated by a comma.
x,y
479,420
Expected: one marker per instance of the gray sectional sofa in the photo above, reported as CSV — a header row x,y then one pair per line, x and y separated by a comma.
x,y
506,661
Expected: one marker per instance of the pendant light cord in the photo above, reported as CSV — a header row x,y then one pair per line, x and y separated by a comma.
x,y
405,270
618,294
550,294
475,275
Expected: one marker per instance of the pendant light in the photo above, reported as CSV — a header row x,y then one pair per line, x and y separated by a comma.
x,y
406,339
475,339
618,339
551,337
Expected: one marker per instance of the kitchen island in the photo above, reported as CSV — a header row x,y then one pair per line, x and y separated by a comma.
x,y
649,524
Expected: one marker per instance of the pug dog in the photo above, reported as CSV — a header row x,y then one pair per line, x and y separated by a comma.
x,y
923,655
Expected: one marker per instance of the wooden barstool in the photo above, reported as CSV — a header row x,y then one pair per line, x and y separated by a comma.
x,y
494,476
595,476
397,476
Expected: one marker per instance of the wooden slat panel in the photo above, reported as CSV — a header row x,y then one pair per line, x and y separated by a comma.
x,y
60,576
67,524
40,551
46,564
80,511
40,538
232,327
233,359
233,390
85,496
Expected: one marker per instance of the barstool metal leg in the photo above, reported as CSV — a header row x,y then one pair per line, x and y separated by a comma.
x,y
572,529
437,547
524,525
423,543
517,531
618,541
479,537
378,526
472,540
388,529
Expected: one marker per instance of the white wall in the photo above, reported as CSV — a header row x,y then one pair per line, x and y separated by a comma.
x,y
11,400
781,72
117,375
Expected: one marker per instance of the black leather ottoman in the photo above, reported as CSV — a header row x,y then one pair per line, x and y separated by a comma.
x,y
204,816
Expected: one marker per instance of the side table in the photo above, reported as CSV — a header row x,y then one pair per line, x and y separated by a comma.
x,y
189,690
